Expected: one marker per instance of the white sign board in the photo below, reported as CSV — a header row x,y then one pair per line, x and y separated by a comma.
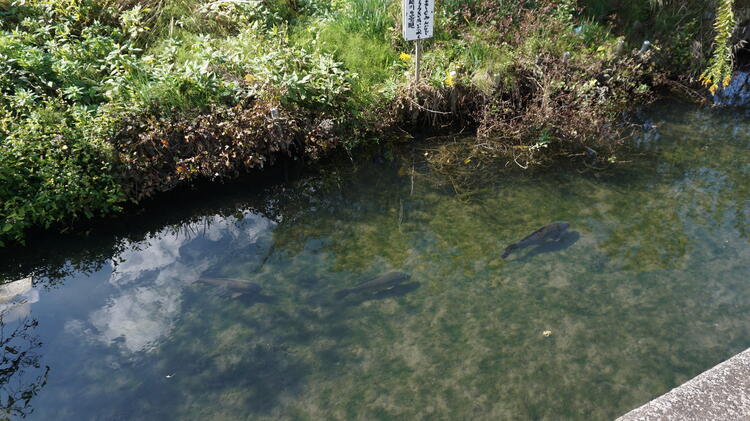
x,y
418,19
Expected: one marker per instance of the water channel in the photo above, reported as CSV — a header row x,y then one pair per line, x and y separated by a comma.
x,y
649,287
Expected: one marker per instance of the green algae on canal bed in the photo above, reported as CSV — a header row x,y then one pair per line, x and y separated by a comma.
x,y
648,289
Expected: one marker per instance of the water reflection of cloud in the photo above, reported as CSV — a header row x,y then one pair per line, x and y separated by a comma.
x,y
16,298
139,317
150,276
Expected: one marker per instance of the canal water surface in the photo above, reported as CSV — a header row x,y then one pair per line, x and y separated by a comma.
x,y
649,287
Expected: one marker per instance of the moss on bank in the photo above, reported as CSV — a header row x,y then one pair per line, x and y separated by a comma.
x,y
109,101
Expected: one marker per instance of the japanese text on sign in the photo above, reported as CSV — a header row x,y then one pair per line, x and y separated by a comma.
x,y
418,19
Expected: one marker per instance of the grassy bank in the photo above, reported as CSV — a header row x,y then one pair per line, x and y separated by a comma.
x,y
110,101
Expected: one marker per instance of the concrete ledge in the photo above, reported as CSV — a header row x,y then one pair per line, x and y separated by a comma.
x,y
721,393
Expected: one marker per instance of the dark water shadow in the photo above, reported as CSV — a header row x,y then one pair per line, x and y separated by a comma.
x,y
257,298
397,291
566,240
308,282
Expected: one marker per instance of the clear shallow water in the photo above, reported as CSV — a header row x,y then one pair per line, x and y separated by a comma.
x,y
649,288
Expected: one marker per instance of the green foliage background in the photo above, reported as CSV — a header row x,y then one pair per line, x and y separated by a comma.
x,y
78,76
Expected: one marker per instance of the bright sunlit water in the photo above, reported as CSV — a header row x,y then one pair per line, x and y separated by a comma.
x,y
650,287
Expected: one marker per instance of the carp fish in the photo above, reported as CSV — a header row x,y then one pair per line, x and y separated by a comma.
x,y
389,280
552,231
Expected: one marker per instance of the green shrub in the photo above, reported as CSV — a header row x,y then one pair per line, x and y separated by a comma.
x,y
52,172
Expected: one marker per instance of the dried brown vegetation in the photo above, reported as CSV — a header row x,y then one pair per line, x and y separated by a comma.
x,y
550,104
562,108
557,110
159,154
430,106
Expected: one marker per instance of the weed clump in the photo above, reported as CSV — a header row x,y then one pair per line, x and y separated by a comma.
x,y
558,90
159,154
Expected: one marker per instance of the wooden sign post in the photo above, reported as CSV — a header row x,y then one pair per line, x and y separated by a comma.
x,y
418,23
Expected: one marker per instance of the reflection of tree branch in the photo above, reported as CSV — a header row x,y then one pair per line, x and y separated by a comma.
x,y
21,373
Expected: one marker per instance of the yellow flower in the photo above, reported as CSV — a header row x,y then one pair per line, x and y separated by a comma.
x,y
727,80
713,89
404,57
450,80
250,78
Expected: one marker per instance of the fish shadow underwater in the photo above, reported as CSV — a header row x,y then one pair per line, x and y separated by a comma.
x,y
257,298
397,291
247,298
566,240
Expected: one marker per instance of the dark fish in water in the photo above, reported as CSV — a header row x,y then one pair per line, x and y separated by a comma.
x,y
551,231
236,287
389,280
